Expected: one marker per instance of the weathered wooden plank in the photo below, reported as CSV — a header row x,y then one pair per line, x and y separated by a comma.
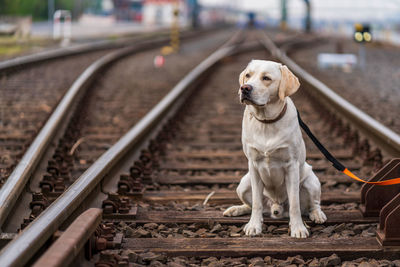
x,y
281,247
208,145
206,166
237,165
172,216
238,153
230,197
206,153
221,178
176,179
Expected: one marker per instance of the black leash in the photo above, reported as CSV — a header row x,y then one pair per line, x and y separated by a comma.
x,y
339,166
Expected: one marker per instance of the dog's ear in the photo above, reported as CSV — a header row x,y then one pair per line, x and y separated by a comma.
x,y
289,83
241,77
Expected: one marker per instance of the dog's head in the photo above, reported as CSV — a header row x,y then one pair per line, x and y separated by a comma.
x,y
266,81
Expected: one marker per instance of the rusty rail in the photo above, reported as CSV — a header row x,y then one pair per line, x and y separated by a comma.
x,y
67,247
29,241
16,182
25,245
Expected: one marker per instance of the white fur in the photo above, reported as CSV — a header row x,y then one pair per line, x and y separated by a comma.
x,y
278,175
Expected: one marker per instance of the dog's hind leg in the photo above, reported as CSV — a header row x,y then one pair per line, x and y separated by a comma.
x,y
244,193
311,196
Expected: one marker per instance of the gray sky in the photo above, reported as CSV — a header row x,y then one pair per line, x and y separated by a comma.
x,y
328,9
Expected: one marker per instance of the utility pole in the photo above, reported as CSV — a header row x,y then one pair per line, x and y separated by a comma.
x,y
50,9
308,16
283,14
194,13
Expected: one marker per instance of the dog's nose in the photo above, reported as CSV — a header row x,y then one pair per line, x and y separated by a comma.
x,y
246,88
276,212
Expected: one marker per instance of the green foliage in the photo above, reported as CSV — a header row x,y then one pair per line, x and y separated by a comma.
x,y
38,8
35,8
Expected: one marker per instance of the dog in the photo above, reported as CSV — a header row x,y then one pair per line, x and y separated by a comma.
x,y
279,180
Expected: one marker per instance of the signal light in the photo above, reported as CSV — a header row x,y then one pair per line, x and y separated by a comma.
x,y
358,27
367,36
358,36
362,33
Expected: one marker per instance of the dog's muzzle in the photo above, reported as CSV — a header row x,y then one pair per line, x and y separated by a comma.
x,y
245,92
246,89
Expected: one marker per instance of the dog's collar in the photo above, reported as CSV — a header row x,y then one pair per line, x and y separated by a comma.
x,y
281,114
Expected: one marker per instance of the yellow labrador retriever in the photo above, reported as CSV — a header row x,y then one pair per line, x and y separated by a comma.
x,y
278,179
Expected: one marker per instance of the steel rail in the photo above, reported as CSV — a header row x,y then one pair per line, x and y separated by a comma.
x,y
384,137
67,247
27,243
16,182
21,61
63,52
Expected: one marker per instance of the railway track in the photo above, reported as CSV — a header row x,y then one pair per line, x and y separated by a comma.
x,y
159,192
32,86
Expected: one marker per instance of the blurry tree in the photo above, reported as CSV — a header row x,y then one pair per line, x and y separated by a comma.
x,y
38,8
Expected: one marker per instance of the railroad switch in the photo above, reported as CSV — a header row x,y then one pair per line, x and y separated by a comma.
x,y
375,197
384,201
388,233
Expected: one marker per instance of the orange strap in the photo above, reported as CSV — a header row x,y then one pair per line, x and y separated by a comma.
x,y
336,164
386,182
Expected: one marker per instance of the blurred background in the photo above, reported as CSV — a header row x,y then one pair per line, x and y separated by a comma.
x,y
99,18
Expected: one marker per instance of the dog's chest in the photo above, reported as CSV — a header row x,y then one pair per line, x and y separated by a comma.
x,y
271,169
267,157
265,149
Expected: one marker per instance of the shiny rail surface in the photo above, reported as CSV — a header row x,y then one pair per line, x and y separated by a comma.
x,y
15,183
25,245
21,249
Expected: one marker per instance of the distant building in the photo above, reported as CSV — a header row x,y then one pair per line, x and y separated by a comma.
x,y
161,12
130,10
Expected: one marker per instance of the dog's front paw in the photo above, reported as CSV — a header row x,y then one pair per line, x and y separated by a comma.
x,y
317,216
298,231
237,211
252,229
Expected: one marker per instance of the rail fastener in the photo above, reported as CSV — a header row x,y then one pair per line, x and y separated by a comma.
x,y
16,182
68,245
26,244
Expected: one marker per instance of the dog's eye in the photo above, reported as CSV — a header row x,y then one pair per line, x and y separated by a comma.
x,y
247,75
266,78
